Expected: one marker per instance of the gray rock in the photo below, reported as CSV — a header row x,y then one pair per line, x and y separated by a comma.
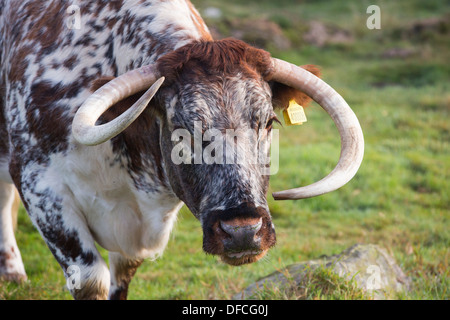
x,y
370,266
212,13
321,34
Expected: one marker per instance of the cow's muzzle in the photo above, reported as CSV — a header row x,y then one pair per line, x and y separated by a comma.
x,y
239,235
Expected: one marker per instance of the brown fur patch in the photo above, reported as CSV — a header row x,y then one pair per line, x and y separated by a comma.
x,y
229,57
46,31
221,57
19,64
123,273
238,222
43,94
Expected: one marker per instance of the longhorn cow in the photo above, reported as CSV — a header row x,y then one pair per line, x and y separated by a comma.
x,y
88,112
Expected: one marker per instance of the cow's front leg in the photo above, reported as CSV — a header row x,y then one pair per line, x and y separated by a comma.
x,y
122,271
11,265
66,233
70,241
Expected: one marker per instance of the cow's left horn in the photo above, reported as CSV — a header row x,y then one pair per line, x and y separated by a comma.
x,y
352,140
84,129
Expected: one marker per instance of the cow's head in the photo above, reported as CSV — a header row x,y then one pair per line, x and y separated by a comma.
x,y
215,111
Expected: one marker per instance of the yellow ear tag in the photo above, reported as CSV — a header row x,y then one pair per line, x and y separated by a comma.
x,y
294,114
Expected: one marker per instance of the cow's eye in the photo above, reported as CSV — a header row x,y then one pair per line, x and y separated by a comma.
x,y
270,122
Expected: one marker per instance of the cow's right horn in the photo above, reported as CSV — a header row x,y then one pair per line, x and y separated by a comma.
x,y
84,129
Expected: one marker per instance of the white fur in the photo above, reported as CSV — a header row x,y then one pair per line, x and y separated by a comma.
x,y
96,194
8,245
122,218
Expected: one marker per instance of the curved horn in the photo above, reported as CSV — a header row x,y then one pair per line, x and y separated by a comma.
x,y
352,140
84,129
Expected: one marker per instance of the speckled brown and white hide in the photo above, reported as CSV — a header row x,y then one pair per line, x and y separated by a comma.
x,y
76,195
123,194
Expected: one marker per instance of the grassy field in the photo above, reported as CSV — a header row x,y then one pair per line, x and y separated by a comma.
x,y
400,197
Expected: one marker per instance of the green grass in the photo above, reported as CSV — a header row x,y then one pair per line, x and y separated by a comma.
x,y
317,283
399,199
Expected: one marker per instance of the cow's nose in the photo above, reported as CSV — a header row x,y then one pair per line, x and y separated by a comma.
x,y
241,236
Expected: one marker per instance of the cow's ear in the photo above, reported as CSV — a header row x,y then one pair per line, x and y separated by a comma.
x,y
282,94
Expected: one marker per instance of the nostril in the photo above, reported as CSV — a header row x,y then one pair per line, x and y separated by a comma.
x,y
228,229
242,234
222,231
256,227
233,228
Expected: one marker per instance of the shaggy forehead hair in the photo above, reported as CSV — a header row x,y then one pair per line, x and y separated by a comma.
x,y
217,83
205,61
228,56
